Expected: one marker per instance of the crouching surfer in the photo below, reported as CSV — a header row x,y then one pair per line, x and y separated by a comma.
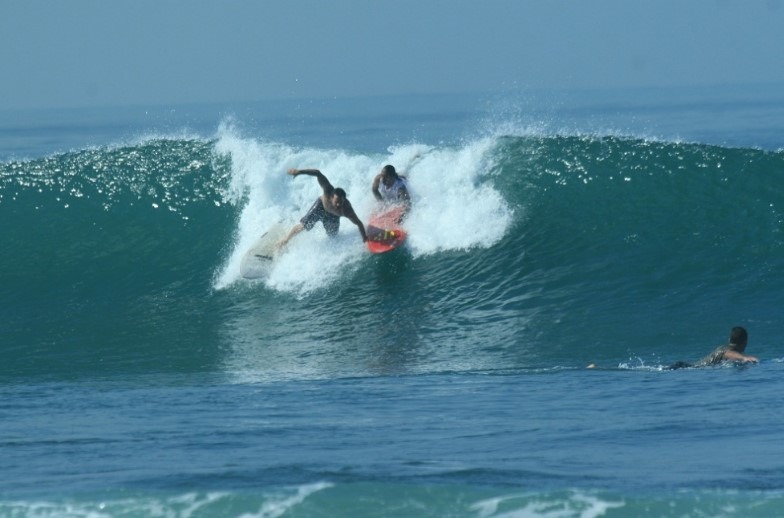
x,y
328,208
391,187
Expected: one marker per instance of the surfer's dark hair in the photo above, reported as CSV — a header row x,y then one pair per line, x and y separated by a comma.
x,y
389,170
739,337
340,192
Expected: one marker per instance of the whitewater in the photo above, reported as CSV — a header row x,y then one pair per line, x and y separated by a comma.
x,y
453,203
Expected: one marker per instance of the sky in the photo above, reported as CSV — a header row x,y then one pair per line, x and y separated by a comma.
x,y
95,53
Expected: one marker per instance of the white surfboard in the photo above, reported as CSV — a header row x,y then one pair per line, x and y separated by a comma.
x,y
258,261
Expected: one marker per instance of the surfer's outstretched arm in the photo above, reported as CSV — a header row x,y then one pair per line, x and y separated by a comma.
x,y
322,180
348,211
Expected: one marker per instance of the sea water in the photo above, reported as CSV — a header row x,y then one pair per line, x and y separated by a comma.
x,y
142,376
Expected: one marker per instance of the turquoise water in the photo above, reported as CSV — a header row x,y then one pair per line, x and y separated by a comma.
x,y
143,376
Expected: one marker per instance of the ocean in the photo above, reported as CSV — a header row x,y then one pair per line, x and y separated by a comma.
x,y
143,376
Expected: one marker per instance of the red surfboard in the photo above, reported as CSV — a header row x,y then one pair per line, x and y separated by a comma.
x,y
384,231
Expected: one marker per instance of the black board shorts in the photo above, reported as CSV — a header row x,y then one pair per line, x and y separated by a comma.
x,y
318,213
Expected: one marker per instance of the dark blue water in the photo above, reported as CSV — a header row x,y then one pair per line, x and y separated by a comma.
x,y
143,376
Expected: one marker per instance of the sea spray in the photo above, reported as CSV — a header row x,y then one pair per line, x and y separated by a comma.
x,y
456,206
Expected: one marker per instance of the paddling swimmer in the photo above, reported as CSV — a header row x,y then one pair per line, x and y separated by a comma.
x,y
731,352
389,186
328,209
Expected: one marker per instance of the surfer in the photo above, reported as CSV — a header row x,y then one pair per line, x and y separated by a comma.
x,y
328,208
391,187
731,352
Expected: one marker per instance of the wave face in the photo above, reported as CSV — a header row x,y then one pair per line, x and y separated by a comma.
x,y
525,251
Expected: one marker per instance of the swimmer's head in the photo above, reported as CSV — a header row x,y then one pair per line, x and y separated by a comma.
x,y
739,338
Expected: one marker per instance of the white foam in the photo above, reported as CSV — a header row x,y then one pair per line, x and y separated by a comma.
x,y
279,505
454,207
533,505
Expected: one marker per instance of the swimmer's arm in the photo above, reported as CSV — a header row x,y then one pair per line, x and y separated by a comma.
x,y
322,180
738,357
348,211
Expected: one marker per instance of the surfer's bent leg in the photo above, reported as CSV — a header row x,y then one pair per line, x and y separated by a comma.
x,y
331,224
316,213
